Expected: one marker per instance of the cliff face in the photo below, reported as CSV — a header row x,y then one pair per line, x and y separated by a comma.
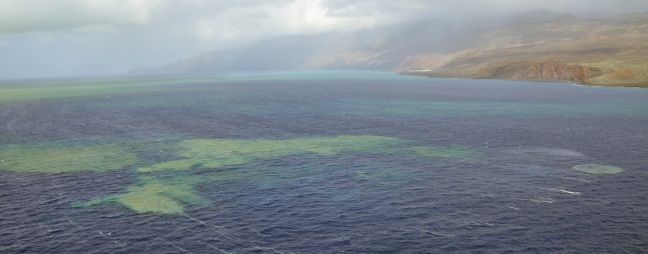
x,y
547,70
596,52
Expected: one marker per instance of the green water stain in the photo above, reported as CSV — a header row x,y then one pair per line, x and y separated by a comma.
x,y
167,195
57,158
598,169
154,196
217,153
77,88
34,93
61,89
160,197
169,187
170,194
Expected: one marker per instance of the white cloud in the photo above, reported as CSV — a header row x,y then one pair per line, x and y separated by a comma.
x,y
112,36
249,23
227,22
20,16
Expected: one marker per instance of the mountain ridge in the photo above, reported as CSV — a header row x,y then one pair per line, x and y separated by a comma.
x,y
539,45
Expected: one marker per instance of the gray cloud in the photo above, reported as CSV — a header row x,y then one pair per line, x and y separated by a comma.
x,y
40,15
76,37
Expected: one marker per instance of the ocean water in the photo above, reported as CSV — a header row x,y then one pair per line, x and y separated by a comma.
x,y
326,162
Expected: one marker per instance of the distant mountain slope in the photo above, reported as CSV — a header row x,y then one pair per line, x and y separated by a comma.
x,y
596,52
534,46
381,48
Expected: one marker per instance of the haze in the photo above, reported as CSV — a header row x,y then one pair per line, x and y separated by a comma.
x,y
40,39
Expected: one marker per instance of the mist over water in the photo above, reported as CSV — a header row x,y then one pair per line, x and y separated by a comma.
x,y
418,165
71,38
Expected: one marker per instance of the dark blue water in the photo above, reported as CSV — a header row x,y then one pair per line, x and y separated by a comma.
x,y
518,195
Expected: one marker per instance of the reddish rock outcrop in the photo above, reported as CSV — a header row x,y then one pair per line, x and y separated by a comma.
x,y
546,70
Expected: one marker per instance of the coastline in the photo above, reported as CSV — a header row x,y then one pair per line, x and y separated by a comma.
x,y
428,74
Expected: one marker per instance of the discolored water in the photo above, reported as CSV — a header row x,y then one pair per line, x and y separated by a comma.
x,y
327,163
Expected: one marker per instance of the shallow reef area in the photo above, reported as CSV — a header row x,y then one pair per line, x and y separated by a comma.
x,y
170,195
598,169
169,185
217,153
62,158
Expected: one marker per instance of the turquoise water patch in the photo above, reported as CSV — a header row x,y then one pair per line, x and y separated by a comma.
x,y
22,91
418,108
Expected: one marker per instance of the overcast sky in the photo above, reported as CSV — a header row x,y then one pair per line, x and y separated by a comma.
x,y
42,38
